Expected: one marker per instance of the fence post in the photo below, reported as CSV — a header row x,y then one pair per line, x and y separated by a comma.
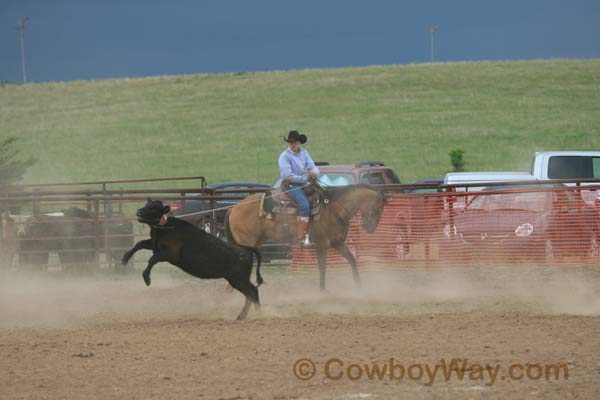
x,y
105,224
97,233
427,210
213,214
35,203
121,203
3,245
451,201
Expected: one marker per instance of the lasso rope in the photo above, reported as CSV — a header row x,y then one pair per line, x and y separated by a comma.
x,y
233,205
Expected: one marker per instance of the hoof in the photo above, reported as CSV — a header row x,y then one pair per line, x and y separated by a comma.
x,y
125,259
147,278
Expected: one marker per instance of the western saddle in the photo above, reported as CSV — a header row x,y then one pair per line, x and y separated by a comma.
x,y
278,201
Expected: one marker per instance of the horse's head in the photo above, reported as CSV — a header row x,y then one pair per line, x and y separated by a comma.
x,y
371,207
152,212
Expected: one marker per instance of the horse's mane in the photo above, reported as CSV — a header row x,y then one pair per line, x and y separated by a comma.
x,y
334,193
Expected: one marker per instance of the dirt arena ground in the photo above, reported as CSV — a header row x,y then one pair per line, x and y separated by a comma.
x,y
109,337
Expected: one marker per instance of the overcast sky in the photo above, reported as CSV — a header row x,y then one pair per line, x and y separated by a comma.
x,y
96,39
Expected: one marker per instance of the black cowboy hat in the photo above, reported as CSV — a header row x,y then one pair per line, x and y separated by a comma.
x,y
295,136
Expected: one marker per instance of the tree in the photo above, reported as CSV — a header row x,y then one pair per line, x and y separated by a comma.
x,y
456,159
12,166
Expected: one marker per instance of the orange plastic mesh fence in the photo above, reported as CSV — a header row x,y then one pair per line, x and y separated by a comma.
x,y
546,225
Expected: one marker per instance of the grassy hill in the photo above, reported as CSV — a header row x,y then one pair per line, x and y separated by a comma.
x,y
229,126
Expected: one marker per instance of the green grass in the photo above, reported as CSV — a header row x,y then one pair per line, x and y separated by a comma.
x,y
229,126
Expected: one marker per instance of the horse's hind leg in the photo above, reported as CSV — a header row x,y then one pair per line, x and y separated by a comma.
x,y
347,254
322,257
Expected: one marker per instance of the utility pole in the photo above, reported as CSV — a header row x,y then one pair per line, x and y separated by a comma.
x,y
21,28
432,30
258,145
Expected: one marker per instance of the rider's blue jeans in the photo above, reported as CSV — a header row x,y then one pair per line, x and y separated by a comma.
x,y
296,192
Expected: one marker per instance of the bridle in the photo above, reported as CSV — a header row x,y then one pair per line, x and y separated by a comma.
x,y
321,191
318,187
342,220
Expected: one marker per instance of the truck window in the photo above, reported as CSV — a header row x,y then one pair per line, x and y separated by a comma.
x,y
392,176
596,167
570,167
336,179
373,178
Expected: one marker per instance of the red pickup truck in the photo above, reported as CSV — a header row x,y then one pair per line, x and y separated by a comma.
x,y
371,172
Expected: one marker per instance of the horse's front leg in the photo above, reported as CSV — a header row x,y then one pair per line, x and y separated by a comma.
x,y
347,254
322,257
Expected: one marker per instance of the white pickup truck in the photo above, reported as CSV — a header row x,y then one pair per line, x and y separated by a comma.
x,y
544,165
566,165
461,178
569,165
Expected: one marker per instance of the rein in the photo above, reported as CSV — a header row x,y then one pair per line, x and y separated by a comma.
x,y
319,188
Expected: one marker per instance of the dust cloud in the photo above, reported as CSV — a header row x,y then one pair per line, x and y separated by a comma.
x,y
572,291
56,299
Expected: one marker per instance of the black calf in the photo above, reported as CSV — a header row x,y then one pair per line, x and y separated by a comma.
x,y
196,252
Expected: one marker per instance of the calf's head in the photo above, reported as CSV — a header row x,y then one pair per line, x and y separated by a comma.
x,y
152,212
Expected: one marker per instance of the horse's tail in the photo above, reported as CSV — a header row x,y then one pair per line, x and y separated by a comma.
x,y
228,233
231,240
259,278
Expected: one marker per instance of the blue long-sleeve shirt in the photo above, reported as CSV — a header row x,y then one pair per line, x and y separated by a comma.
x,y
292,165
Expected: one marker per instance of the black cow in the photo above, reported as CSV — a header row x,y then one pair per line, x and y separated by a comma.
x,y
196,252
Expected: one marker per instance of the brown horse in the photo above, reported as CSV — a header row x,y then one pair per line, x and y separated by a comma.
x,y
245,225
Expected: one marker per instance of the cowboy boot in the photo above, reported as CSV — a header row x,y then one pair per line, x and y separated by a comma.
x,y
302,236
